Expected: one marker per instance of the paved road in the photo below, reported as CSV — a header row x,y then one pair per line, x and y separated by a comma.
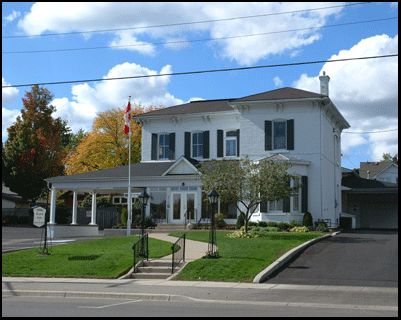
x,y
352,258
30,237
73,307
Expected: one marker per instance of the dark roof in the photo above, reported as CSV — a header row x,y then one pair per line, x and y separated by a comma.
x,y
356,182
281,94
373,167
223,104
192,107
137,170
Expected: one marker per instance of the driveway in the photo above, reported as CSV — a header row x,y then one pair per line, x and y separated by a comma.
x,y
20,237
352,258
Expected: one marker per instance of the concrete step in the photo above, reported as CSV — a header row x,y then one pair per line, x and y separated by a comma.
x,y
154,270
145,276
156,263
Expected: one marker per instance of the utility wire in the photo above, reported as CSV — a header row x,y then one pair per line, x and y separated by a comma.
x,y
370,131
183,23
197,40
202,71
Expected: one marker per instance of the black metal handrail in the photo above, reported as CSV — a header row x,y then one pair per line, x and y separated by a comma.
x,y
180,254
141,249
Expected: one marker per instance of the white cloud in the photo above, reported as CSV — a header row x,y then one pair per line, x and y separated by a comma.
x,y
14,15
110,94
64,17
277,82
8,95
8,117
365,92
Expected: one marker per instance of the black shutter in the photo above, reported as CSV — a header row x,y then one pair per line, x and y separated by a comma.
x,y
206,143
290,134
154,147
286,202
304,194
263,207
187,147
238,143
268,135
171,146
220,144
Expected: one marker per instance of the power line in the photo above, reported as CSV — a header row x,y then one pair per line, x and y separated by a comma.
x,y
183,23
202,71
348,159
371,131
197,40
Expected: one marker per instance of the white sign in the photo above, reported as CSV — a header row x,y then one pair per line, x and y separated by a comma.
x,y
39,216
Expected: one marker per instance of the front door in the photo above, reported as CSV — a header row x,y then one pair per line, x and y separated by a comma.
x,y
183,207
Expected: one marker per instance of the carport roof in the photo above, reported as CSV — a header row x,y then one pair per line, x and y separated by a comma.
x,y
356,182
137,170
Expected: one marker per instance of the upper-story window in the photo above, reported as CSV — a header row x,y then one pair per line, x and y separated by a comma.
x,y
280,134
197,144
230,143
164,145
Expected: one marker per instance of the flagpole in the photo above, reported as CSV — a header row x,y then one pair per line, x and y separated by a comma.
x,y
129,182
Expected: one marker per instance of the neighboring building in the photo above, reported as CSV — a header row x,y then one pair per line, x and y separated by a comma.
x,y
382,171
11,200
372,204
286,124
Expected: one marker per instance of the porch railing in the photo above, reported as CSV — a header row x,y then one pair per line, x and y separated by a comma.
x,y
141,249
178,256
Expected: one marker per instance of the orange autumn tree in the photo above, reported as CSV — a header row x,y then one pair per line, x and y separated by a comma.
x,y
106,146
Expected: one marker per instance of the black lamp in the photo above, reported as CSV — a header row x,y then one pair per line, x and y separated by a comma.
x,y
144,198
213,197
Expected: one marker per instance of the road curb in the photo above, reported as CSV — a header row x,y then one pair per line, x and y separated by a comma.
x,y
262,276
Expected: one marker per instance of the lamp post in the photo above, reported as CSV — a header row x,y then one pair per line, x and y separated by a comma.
x,y
213,198
143,199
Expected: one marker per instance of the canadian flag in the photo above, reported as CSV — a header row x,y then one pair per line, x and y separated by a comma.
x,y
127,118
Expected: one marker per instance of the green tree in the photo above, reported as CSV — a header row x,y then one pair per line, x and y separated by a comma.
x,y
33,150
247,183
387,157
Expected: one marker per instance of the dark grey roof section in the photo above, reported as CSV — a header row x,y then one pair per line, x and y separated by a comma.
x,y
137,170
281,94
203,106
356,182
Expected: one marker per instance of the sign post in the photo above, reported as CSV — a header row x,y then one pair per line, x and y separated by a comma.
x,y
39,219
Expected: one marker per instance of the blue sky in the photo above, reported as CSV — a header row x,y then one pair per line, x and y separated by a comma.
x,y
365,92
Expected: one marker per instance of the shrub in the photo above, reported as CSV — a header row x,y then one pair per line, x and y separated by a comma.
x,y
124,216
240,220
322,223
307,220
272,229
219,221
251,224
321,228
272,224
283,225
63,212
262,224
294,224
299,229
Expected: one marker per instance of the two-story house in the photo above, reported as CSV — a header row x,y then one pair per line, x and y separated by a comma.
x,y
286,124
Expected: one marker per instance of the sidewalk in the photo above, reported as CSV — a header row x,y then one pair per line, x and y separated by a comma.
x,y
193,249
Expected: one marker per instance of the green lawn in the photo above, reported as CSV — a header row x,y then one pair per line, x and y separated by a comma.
x,y
100,258
240,259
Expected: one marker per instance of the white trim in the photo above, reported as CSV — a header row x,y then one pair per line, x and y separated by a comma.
x,y
182,158
374,177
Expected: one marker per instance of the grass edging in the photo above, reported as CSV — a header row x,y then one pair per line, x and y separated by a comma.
x,y
263,275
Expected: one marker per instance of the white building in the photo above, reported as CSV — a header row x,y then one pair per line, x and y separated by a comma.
x,y
286,124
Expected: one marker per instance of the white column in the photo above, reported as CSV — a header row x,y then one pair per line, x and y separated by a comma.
x,y
93,218
74,207
53,206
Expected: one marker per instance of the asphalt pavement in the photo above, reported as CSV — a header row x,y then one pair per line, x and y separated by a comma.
x,y
351,258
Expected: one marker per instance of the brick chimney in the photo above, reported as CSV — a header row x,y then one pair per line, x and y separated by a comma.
x,y
324,84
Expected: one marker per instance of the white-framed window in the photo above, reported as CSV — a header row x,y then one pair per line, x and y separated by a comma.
x,y
163,140
197,144
119,200
296,205
276,206
230,143
280,134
